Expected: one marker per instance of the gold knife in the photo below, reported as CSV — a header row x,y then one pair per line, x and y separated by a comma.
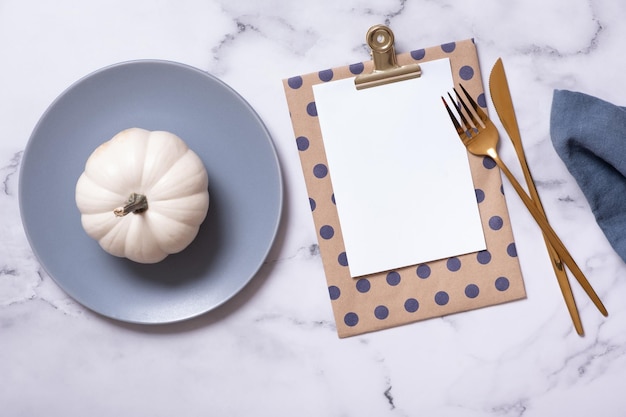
x,y
501,97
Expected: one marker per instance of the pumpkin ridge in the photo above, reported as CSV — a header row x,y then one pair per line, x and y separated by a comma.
x,y
167,149
183,239
111,238
194,205
99,182
89,198
172,166
194,182
125,150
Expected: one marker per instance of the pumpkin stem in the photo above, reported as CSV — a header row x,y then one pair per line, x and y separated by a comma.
x,y
136,203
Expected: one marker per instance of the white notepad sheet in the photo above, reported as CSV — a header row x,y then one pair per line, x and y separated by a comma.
x,y
400,174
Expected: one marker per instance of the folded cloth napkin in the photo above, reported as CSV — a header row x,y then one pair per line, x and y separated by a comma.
x,y
589,135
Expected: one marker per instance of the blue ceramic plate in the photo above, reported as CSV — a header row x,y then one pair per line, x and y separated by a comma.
x,y
245,189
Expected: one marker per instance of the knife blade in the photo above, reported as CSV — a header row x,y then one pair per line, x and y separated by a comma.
x,y
503,103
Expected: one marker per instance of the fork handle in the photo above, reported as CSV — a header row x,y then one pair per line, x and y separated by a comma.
x,y
557,264
551,235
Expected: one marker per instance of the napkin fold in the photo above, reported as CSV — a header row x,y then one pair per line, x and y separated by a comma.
x,y
589,134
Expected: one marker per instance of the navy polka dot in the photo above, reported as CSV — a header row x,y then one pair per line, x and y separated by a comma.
x,y
393,278
411,305
295,82
303,143
327,232
489,163
502,189
312,204
334,292
481,100
381,312
342,259
448,47
442,298
423,271
418,54
496,223
326,75
311,109
357,68
320,170
483,257
332,199
453,264
351,319
512,250
471,291
466,72
363,285
480,195
502,284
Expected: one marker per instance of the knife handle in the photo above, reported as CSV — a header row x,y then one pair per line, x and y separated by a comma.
x,y
551,235
557,264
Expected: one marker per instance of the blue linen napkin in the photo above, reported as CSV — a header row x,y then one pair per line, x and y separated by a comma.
x,y
589,135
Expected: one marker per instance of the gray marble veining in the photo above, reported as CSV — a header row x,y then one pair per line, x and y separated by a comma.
x,y
273,349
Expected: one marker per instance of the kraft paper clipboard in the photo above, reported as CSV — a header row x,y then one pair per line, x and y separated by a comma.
x,y
423,290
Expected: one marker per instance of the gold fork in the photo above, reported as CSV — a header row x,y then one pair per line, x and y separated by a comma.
x,y
480,137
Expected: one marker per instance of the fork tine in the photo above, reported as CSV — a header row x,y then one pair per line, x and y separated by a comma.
x,y
455,122
466,125
474,105
475,122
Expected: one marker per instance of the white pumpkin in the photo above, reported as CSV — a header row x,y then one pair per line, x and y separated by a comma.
x,y
143,195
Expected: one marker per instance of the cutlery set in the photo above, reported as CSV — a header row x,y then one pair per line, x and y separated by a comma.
x,y
480,137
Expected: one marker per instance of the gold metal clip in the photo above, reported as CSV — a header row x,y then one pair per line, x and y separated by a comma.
x,y
386,69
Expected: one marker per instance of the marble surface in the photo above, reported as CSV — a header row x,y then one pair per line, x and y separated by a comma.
x,y
273,349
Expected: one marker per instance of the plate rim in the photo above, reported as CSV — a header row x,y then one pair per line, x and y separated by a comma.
x,y
268,139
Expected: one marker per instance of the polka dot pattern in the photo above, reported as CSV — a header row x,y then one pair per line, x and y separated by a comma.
x,y
411,305
496,223
511,250
393,278
351,319
453,264
327,232
363,285
302,143
326,75
502,283
423,271
320,170
342,259
466,73
381,312
489,163
311,109
472,291
295,82
483,257
356,69
480,195
442,298
416,292
481,100
448,47
418,54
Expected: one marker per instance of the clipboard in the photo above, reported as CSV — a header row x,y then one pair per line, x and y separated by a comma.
x,y
423,290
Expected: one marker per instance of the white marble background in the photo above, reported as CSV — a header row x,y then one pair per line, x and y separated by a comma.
x,y
273,350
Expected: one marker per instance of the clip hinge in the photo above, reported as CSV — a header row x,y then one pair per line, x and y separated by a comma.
x,y
386,69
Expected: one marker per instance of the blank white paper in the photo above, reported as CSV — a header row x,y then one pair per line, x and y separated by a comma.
x,y
400,174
